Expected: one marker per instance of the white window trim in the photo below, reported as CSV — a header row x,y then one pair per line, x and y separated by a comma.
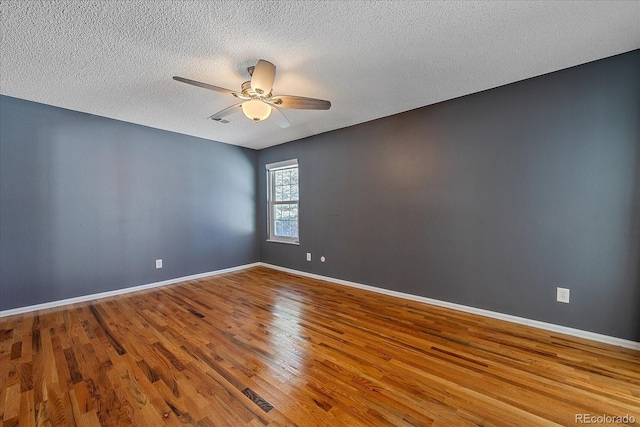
x,y
281,165
286,164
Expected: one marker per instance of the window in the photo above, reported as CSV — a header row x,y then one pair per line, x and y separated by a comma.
x,y
283,196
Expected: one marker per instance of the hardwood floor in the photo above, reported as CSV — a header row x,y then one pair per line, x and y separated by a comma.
x,y
262,347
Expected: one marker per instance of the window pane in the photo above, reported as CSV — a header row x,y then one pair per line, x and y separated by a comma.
x,y
294,176
286,192
293,212
278,193
294,228
278,228
286,177
294,192
278,177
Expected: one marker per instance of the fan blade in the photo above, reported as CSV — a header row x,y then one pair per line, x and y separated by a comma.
x,y
263,76
207,86
279,118
220,115
299,102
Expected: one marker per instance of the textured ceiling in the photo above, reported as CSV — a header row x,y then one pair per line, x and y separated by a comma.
x,y
369,58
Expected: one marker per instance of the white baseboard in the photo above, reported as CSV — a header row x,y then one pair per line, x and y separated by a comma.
x,y
492,314
91,297
487,313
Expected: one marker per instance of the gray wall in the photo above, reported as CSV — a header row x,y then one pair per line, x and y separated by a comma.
x,y
490,200
87,204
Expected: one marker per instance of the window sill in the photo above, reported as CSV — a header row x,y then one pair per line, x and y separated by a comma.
x,y
286,242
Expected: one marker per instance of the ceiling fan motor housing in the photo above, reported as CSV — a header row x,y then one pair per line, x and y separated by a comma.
x,y
248,91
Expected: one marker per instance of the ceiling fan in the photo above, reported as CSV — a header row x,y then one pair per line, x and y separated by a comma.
x,y
258,103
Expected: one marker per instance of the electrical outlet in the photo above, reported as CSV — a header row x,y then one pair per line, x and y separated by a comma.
x,y
562,295
158,263
308,256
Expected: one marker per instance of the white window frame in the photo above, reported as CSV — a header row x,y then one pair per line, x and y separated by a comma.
x,y
271,203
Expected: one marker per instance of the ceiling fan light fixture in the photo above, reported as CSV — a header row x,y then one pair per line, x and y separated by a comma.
x,y
256,110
